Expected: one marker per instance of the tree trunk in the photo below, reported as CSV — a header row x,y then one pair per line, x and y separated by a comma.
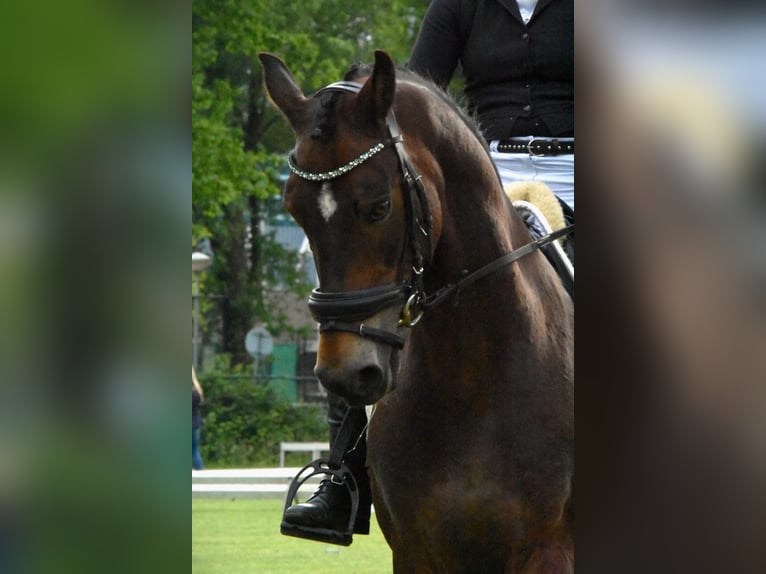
x,y
237,316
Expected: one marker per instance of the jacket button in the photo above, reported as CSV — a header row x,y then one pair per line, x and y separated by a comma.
x,y
527,109
524,36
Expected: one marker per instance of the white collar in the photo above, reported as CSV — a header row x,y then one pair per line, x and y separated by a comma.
x,y
527,8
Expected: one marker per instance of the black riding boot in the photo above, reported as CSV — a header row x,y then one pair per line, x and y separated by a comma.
x,y
329,508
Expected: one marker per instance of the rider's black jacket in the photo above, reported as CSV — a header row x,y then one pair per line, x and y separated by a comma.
x,y
519,78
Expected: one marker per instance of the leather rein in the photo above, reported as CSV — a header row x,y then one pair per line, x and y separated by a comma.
x,y
346,310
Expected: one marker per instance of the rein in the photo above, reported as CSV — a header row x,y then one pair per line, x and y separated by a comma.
x,y
450,289
346,310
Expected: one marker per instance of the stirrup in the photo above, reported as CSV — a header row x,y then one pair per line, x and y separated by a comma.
x,y
341,475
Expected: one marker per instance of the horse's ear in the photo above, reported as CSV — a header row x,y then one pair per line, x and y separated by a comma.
x,y
284,91
377,95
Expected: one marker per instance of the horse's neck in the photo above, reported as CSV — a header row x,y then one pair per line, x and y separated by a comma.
x,y
478,225
475,204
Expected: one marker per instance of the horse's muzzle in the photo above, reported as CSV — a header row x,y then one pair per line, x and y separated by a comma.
x,y
363,386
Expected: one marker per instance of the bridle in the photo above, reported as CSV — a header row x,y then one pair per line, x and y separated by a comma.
x,y
347,310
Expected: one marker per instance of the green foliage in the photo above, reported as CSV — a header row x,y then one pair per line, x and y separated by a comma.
x,y
244,422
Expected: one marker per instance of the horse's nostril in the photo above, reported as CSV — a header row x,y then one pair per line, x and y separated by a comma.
x,y
338,380
371,375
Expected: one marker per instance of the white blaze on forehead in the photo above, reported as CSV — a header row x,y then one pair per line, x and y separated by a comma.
x,y
327,203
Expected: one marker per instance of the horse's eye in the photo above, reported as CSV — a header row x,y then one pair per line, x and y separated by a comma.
x,y
380,210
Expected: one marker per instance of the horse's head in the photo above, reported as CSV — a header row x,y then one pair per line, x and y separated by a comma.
x,y
351,191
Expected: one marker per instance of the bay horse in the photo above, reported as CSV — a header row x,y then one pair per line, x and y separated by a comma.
x,y
433,308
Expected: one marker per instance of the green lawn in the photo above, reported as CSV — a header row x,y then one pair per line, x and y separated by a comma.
x,y
242,536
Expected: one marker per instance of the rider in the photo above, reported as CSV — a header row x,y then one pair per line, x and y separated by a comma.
x,y
517,57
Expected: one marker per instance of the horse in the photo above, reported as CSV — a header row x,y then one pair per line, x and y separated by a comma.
x,y
437,309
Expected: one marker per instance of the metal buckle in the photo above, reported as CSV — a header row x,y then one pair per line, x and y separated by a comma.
x,y
529,147
407,319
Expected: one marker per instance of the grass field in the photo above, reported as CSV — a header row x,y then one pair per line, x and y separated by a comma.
x,y
242,536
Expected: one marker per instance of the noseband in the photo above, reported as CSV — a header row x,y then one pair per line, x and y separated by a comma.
x,y
346,310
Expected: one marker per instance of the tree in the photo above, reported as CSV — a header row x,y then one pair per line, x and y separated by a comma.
x,y
239,141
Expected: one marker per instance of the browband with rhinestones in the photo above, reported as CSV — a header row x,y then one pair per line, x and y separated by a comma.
x,y
341,170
